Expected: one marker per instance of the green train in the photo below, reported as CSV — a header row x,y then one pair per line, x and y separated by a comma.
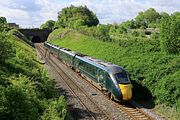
x,y
110,78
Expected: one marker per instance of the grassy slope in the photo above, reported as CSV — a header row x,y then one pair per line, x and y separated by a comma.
x,y
25,82
158,72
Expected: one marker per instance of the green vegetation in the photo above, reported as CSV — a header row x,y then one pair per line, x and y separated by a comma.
x,y
74,17
170,34
147,46
48,24
100,32
3,24
26,92
149,18
5,52
148,66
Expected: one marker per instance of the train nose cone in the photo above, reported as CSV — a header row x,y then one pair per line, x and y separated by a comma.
x,y
126,90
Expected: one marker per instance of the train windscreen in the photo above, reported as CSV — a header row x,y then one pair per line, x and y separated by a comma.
x,y
122,78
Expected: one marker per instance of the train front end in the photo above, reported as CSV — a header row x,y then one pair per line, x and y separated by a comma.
x,y
123,86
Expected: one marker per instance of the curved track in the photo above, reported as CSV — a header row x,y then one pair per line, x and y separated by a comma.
x,y
128,108
84,98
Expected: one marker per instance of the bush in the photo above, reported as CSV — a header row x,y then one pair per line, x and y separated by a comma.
x,y
100,32
6,49
22,100
56,110
168,90
25,88
170,35
19,100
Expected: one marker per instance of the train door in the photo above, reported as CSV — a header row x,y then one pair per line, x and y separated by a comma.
x,y
108,83
101,79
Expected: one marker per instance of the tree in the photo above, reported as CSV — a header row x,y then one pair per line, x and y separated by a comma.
x,y
176,15
48,24
140,20
102,32
76,16
3,24
130,24
3,20
148,18
151,16
170,34
164,14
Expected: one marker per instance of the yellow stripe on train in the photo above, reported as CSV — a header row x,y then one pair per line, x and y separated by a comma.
x,y
126,90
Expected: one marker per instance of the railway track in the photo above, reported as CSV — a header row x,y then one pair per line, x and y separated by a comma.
x,y
83,98
131,110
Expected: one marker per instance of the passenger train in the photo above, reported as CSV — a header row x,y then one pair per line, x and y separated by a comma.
x,y
110,78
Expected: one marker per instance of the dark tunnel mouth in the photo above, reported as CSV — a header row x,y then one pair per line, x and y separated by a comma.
x,y
36,39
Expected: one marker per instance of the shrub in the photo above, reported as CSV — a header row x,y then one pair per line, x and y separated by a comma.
x,y
100,32
25,88
170,35
6,49
19,100
167,90
56,110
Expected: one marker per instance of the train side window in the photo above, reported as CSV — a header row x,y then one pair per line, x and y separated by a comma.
x,y
93,71
81,63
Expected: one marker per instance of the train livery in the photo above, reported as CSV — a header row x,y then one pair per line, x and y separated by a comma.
x,y
110,78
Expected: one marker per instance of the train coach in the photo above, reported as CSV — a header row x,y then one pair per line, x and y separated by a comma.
x,y
110,78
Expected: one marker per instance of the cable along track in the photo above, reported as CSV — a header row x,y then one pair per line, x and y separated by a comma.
x,y
83,98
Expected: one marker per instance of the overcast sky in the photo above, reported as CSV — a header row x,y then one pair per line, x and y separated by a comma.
x,y
32,13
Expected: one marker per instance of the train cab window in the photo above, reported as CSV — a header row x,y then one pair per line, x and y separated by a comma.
x,y
122,78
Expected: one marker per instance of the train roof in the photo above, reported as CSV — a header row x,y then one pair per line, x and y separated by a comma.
x,y
107,66
52,45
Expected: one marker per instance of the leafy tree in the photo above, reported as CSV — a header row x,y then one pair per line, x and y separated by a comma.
x,y
3,20
164,14
176,15
3,24
170,34
130,24
76,16
48,24
102,32
149,18
140,20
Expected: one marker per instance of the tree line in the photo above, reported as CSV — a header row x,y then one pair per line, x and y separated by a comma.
x,y
85,21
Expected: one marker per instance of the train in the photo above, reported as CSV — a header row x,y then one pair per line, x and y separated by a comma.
x,y
111,79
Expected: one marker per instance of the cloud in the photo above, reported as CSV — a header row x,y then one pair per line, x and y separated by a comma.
x,y
35,12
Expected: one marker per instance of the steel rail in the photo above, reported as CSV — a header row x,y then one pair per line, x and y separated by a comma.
x,y
66,78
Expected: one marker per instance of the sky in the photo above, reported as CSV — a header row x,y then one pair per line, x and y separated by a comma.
x,y
33,13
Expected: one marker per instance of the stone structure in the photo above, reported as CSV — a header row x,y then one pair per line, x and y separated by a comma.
x,y
36,35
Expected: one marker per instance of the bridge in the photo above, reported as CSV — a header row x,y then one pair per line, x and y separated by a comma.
x,y
36,35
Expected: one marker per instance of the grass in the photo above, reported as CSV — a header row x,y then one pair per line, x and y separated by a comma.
x,y
155,75
26,91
